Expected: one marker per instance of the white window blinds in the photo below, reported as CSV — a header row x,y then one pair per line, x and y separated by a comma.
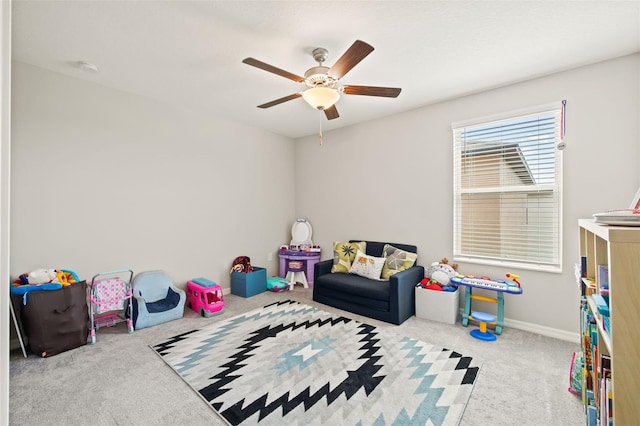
x,y
507,191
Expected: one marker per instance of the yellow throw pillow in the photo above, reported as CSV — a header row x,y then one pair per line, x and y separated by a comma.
x,y
396,260
344,253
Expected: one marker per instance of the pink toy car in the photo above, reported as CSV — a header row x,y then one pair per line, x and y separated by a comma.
x,y
205,297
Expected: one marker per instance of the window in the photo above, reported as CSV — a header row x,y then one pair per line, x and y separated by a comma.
x,y
507,190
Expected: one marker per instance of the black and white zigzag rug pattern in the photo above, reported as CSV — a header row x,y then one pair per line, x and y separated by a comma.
x,y
290,363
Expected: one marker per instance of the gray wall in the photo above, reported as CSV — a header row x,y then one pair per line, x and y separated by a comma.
x,y
105,180
391,179
5,165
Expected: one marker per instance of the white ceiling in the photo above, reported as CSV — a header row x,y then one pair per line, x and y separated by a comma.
x,y
189,53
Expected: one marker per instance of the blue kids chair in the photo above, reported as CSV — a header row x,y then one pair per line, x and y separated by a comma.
x,y
156,299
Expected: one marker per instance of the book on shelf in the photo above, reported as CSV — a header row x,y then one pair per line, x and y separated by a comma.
x,y
592,416
605,362
606,400
609,399
603,278
595,366
606,393
588,286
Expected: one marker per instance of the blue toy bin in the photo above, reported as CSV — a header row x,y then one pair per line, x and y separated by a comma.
x,y
249,284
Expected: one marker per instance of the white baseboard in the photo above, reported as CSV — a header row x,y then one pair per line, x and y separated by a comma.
x,y
520,325
542,330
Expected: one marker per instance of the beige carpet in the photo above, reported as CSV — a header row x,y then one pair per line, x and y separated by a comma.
x,y
120,381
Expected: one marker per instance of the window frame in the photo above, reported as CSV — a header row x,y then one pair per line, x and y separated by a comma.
x,y
459,255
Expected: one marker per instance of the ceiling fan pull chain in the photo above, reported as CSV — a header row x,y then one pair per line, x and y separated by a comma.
x,y
320,131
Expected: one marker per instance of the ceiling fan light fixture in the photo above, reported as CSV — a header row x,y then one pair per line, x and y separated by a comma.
x,y
323,92
321,98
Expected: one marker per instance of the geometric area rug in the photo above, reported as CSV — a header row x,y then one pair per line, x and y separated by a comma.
x,y
289,363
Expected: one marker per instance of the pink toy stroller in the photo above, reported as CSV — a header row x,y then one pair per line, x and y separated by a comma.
x,y
109,300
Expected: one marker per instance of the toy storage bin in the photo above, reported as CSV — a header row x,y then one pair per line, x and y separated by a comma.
x,y
441,306
250,284
55,321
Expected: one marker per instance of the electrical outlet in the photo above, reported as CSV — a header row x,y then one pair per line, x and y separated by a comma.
x,y
270,256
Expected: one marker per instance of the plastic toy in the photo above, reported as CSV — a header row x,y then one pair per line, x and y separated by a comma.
x,y
110,300
482,333
514,278
205,297
489,284
430,284
22,289
277,284
22,285
44,276
485,283
65,277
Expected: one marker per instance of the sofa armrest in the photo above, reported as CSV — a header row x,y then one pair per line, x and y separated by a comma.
x,y
181,292
322,268
402,293
139,304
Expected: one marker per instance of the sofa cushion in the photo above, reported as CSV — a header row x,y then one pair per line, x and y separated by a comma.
x,y
344,253
355,285
396,260
358,304
166,304
367,266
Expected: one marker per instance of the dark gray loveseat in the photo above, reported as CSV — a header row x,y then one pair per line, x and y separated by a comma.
x,y
391,301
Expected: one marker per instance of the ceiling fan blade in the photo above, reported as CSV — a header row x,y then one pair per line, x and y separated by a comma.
x,y
357,52
387,92
331,112
263,66
281,100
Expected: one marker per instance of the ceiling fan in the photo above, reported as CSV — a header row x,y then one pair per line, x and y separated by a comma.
x,y
321,81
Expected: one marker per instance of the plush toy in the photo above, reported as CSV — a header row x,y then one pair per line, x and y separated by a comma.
x,y
242,264
441,272
430,284
41,276
65,278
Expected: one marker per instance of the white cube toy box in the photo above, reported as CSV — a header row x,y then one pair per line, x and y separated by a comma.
x,y
441,306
